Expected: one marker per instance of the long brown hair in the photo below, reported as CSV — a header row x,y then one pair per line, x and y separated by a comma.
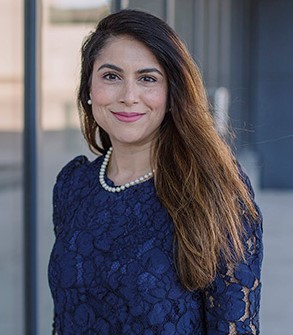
x,y
197,178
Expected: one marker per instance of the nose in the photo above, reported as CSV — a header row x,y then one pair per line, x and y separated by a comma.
x,y
129,93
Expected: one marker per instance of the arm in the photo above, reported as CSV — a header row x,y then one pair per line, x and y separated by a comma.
x,y
232,302
54,330
62,188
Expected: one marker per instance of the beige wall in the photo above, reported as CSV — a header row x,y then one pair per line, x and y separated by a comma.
x,y
60,45
60,70
11,65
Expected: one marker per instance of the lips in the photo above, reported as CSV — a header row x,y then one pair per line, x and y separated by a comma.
x,y
128,117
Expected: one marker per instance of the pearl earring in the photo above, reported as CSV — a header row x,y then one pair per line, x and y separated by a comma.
x,y
89,101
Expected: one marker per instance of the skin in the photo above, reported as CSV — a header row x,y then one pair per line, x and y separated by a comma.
x,y
129,97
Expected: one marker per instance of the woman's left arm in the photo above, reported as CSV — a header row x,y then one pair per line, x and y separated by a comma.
x,y
232,302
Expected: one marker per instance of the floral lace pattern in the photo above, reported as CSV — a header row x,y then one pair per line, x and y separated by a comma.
x,y
112,271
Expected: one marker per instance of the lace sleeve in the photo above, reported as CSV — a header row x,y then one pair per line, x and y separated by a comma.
x,y
62,188
54,330
232,302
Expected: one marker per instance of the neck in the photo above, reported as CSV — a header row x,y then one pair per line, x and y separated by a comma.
x,y
129,163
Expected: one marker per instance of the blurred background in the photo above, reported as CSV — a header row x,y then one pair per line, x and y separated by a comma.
x,y
244,49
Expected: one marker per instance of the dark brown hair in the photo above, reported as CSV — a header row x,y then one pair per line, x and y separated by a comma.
x,y
197,178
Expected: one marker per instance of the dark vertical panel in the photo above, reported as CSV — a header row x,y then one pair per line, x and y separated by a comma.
x,y
213,44
224,63
156,7
241,82
115,6
199,27
184,20
170,12
30,164
274,87
251,75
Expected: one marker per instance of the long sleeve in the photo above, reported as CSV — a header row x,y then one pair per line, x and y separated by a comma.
x,y
232,302
61,190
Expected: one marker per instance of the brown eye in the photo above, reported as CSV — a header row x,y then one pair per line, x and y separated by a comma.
x,y
148,79
110,76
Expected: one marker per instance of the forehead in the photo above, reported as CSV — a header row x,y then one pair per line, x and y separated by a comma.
x,y
126,49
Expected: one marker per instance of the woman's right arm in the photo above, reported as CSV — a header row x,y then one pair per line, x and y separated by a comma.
x,y
232,302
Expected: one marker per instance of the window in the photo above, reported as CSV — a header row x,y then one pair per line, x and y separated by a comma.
x,y
64,26
11,194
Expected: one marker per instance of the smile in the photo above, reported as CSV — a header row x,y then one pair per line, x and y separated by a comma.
x,y
127,117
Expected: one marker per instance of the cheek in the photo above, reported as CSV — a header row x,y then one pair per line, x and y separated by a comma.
x,y
101,116
157,99
101,96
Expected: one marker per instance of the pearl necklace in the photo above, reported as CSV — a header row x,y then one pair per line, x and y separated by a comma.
x,y
121,187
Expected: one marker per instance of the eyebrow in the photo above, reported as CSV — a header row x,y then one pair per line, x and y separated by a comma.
x,y
149,70
118,69
110,66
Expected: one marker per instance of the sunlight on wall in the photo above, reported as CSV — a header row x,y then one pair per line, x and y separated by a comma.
x,y
65,24
11,66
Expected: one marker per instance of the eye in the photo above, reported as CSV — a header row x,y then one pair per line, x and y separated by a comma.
x,y
110,76
148,79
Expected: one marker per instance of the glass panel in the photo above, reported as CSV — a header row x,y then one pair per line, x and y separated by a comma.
x,y
65,24
184,24
156,7
11,124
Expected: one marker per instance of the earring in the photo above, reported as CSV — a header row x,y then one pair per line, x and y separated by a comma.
x,y
89,101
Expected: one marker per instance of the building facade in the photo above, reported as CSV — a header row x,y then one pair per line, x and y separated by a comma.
x,y
244,51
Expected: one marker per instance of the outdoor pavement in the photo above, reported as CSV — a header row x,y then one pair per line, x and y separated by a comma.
x,y
277,275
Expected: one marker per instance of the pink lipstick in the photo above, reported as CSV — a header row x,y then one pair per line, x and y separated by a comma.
x,y
128,117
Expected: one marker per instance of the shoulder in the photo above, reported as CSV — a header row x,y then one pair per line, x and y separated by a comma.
x,y
75,171
245,179
72,167
253,234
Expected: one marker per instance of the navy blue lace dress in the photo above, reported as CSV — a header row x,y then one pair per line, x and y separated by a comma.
x,y
112,270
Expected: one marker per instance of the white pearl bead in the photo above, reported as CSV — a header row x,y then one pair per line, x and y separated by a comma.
x,y
121,187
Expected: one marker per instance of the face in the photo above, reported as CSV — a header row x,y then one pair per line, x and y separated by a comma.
x,y
128,92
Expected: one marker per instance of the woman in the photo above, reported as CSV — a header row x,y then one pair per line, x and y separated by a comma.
x,y
160,234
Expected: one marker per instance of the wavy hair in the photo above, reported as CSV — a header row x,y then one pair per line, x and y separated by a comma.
x,y
197,178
